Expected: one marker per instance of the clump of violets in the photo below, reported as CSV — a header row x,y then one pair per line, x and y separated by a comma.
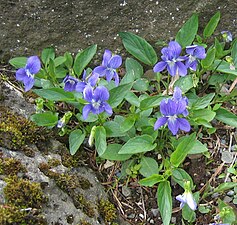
x,y
171,109
194,52
187,197
171,60
97,101
26,74
109,66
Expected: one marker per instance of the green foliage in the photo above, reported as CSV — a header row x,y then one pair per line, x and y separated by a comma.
x,y
139,48
76,138
211,26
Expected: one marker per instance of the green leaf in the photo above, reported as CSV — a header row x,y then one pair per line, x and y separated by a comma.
x,y
223,67
149,166
151,180
164,201
83,58
198,148
151,102
18,62
111,153
47,54
59,61
55,94
141,84
134,71
184,83
180,176
234,53
211,26
138,144
203,102
139,48
117,94
226,117
183,148
128,123
225,186
45,119
132,99
76,138
68,60
100,140
205,114
208,61
187,33
113,129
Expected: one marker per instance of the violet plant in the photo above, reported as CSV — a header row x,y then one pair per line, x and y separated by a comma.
x,y
134,111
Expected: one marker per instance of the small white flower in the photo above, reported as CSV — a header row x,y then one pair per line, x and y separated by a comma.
x,y
187,198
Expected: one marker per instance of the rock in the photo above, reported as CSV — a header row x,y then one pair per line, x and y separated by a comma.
x,y
73,25
227,199
72,192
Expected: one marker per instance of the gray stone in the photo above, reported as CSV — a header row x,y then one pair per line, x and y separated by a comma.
x,y
31,25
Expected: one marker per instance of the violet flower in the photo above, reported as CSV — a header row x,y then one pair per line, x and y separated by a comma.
x,y
171,109
227,36
194,52
87,81
171,60
187,198
26,74
97,101
109,65
70,83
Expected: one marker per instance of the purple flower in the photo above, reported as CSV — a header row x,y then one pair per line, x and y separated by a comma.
x,y
109,65
170,110
26,74
171,60
70,83
87,81
227,36
194,52
177,96
187,198
97,101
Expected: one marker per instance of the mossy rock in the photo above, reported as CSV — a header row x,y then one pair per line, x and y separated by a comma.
x,y
23,193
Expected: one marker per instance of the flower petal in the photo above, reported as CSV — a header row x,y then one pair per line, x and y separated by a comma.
x,y
101,70
177,95
160,122
200,52
190,201
21,74
115,62
88,93
101,93
184,124
93,79
174,49
107,108
86,110
80,86
172,68
29,83
173,126
106,57
182,69
33,64
116,78
109,75
160,66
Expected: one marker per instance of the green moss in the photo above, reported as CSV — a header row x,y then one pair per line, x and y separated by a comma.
x,y
83,222
81,203
107,211
54,162
11,166
12,215
23,193
16,131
